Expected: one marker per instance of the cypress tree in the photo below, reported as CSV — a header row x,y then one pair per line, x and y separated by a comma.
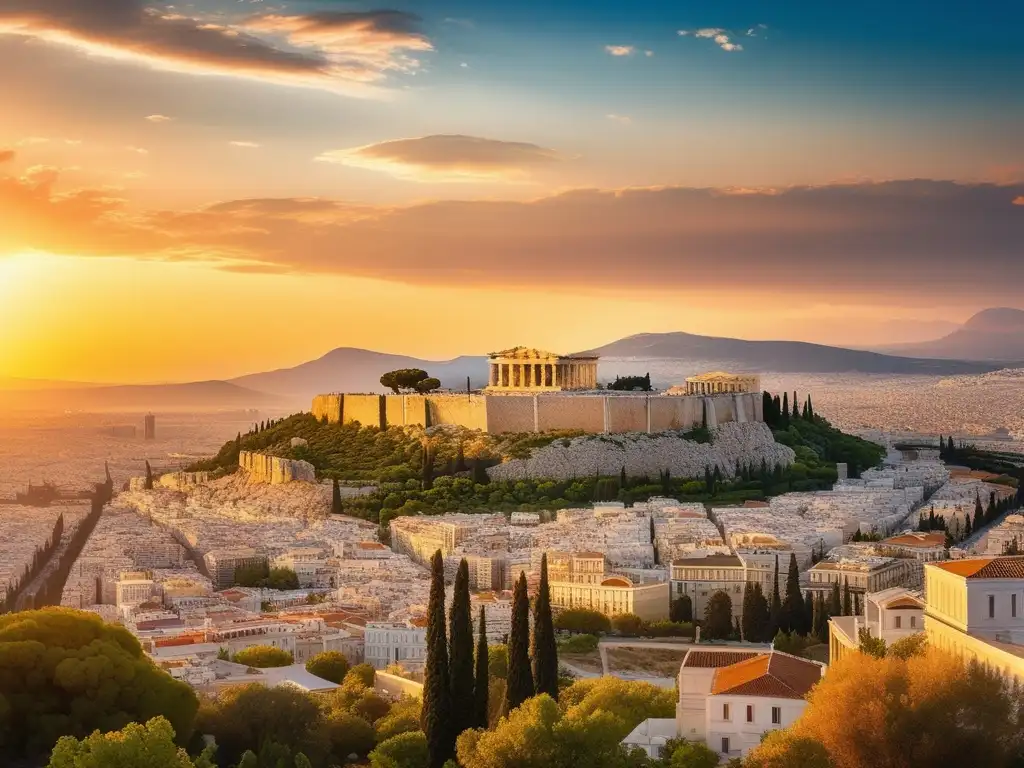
x,y
810,408
149,477
335,498
856,604
775,608
766,409
436,714
545,648
460,662
704,414
835,606
847,599
820,622
808,613
481,685
796,412
762,618
784,416
749,625
793,612
519,682
623,480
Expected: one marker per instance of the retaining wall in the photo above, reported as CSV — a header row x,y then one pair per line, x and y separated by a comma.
x,y
262,468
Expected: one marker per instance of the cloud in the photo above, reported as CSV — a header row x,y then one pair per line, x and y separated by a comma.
x,y
624,119
723,38
620,50
6,155
1018,200
244,144
929,237
159,118
32,141
447,158
648,54
137,150
339,51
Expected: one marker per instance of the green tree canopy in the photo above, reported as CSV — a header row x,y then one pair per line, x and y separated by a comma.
x,y
150,745
718,616
364,673
263,657
584,621
329,665
67,673
404,378
628,624
407,750
429,384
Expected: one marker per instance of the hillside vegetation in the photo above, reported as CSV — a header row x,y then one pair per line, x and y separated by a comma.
x,y
445,470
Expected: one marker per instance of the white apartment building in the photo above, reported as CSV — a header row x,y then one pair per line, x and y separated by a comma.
x,y
307,562
133,589
581,581
730,697
222,564
890,615
700,577
865,571
396,643
925,546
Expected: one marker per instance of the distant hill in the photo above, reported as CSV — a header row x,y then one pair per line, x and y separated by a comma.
x,y
777,356
347,369
993,334
200,395
41,384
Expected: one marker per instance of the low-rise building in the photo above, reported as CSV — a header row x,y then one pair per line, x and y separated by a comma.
x,y
889,615
403,643
700,577
581,581
863,570
221,564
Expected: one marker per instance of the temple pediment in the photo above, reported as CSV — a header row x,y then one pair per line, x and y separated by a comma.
x,y
525,353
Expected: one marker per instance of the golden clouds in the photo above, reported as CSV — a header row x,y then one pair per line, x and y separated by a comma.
x,y
447,158
333,51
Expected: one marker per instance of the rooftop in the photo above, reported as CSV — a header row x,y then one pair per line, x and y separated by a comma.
x,y
1011,567
714,659
711,561
774,674
917,539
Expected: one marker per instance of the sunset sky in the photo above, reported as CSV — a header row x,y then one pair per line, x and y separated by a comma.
x,y
202,190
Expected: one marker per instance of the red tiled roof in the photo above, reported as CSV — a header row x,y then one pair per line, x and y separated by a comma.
x,y
776,674
713,659
1010,567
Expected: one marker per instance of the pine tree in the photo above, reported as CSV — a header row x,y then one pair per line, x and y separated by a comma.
x,y
835,606
149,477
793,611
775,607
436,713
335,498
481,685
519,682
847,600
545,648
460,645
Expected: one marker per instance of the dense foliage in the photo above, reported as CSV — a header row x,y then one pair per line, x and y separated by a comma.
x,y
631,383
263,657
151,745
328,665
927,710
67,673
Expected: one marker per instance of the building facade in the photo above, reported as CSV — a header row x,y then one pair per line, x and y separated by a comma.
x,y
221,564
700,577
719,382
522,369
889,615
581,581
396,643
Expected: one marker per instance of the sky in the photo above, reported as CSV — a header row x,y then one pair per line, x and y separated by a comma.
x,y
202,190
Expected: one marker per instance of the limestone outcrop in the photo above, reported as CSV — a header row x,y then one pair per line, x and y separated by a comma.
x,y
642,454
275,470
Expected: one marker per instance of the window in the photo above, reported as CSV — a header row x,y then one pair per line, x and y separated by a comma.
x,y
750,713
725,745
991,606
776,715
1013,605
913,622
899,622
725,712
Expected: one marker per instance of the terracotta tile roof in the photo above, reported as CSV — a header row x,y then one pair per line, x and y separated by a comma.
x,y
1011,567
713,659
778,675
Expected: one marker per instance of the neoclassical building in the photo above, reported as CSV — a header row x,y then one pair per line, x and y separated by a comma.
x,y
718,382
522,369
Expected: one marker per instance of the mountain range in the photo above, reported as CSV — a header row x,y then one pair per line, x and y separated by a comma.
x,y
991,339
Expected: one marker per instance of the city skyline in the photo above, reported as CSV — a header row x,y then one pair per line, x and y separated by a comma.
x,y
206,190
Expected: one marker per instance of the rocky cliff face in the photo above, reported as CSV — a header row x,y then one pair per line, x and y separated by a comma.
x,y
274,470
642,454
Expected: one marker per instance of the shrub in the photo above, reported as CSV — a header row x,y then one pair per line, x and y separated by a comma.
x,y
263,657
579,644
329,665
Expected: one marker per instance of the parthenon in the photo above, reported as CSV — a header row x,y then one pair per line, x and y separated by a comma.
x,y
718,382
522,369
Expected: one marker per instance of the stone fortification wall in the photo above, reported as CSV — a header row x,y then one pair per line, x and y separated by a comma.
x,y
274,470
596,413
331,406
643,454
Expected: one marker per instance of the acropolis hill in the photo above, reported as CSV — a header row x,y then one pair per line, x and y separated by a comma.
x,y
535,391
